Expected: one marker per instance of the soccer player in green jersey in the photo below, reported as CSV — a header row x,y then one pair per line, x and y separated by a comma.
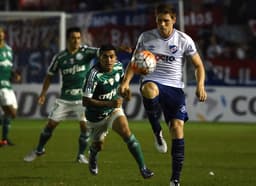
x,y
8,100
104,108
73,64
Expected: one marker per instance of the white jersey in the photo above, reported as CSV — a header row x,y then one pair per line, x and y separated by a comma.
x,y
169,53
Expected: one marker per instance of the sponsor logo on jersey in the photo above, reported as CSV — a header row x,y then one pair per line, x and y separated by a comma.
x,y
173,49
74,69
108,96
164,58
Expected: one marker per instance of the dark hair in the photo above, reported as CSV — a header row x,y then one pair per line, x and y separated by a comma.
x,y
107,47
165,9
71,30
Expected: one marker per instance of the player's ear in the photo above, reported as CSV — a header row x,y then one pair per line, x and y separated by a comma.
x,y
173,18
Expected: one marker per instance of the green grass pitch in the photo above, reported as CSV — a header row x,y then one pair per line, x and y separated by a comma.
x,y
228,150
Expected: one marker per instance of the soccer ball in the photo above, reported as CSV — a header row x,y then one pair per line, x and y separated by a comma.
x,y
143,62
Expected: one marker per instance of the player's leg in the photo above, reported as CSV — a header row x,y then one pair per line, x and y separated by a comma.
x,y
44,137
175,114
120,125
150,93
58,112
9,114
98,132
82,143
84,136
178,147
46,134
95,148
9,107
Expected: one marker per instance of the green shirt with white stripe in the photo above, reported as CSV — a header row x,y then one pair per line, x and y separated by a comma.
x,y
102,86
6,64
73,69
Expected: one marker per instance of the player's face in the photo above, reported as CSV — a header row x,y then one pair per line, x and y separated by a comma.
x,y
165,24
1,35
74,40
107,60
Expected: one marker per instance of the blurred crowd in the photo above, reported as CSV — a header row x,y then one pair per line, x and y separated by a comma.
x,y
233,38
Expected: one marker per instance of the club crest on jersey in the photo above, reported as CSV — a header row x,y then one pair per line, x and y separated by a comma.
x,y
111,81
117,77
79,56
151,47
173,49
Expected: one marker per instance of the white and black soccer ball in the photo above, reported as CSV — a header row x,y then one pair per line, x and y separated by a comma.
x,y
143,62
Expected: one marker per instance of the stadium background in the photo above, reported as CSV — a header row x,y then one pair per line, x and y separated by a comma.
x,y
223,30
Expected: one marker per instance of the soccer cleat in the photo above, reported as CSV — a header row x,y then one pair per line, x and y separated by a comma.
x,y
82,159
6,143
160,143
33,155
174,183
3,143
146,173
93,167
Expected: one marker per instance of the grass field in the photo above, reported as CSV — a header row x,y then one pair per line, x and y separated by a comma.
x,y
228,150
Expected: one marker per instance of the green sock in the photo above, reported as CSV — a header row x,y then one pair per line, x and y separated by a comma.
x,y
135,149
83,142
44,137
6,127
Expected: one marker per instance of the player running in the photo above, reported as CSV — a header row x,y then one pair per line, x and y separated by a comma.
x,y
104,109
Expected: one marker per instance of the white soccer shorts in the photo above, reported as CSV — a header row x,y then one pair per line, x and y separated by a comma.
x,y
99,130
63,109
8,98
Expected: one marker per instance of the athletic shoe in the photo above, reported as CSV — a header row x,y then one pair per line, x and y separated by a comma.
x,y
146,173
82,159
6,143
93,167
33,155
174,183
160,143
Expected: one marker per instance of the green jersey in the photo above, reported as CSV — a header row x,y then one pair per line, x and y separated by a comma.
x,y
6,58
73,69
102,86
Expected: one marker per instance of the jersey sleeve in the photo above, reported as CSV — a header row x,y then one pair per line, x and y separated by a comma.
x,y
190,46
90,83
91,51
139,45
53,67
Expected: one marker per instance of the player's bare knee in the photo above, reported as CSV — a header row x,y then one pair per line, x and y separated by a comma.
x,y
149,90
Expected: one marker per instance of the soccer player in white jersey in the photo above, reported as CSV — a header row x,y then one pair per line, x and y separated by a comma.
x,y
73,64
163,87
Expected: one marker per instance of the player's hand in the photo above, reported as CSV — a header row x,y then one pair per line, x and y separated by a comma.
x,y
16,77
125,49
125,92
41,99
201,93
117,103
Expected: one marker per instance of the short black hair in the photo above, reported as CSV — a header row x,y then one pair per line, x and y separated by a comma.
x,y
165,8
107,47
71,30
